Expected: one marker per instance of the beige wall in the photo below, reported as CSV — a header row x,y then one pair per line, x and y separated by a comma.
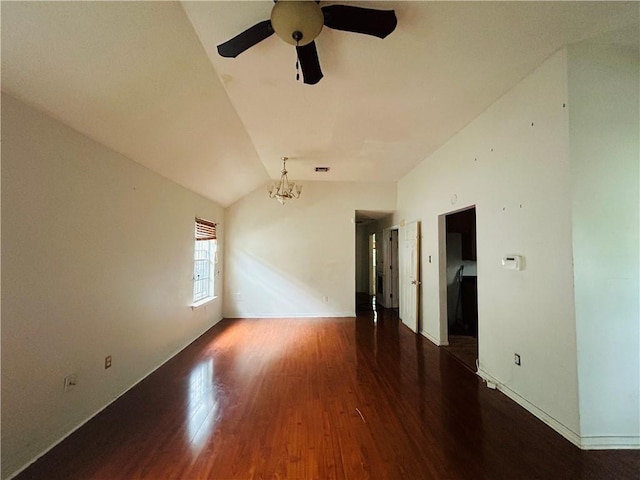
x,y
96,260
604,99
297,259
512,163
552,168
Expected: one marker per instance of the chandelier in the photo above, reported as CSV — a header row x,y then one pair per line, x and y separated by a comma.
x,y
283,190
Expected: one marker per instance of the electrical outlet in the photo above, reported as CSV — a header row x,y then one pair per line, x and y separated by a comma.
x,y
70,381
516,359
107,362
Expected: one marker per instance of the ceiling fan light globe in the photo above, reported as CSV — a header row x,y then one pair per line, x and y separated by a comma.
x,y
290,16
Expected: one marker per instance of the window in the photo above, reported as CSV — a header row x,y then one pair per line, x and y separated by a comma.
x,y
204,260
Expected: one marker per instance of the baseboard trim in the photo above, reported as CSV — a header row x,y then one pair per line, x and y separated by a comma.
x,y
54,443
433,339
540,414
604,442
292,315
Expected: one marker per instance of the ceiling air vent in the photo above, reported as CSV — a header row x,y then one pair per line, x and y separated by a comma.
x,y
322,169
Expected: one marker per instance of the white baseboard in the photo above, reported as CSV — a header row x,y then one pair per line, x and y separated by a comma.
x,y
292,315
563,430
53,443
433,339
610,443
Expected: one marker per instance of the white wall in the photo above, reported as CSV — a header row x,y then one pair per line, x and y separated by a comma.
x,y
604,99
297,259
512,163
97,260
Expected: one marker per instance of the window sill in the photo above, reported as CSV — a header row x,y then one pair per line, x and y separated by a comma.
x,y
201,303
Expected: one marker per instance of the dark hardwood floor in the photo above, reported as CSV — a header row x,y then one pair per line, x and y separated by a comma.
x,y
333,398
465,349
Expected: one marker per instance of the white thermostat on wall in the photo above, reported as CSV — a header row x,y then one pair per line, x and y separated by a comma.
x,y
513,262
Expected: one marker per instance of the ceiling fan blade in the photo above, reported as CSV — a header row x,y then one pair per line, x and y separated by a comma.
x,y
247,39
309,63
378,23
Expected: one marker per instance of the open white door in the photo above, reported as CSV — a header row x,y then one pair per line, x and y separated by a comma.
x,y
409,274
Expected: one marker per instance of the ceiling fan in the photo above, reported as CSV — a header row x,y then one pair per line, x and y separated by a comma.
x,y
300,22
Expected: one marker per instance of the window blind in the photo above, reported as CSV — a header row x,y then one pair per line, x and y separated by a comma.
x,y
205,230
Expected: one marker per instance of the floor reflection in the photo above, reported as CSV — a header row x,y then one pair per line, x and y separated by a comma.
x,y
203,405
375,324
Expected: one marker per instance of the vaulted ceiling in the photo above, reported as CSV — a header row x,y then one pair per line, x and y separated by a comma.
x,y
145,79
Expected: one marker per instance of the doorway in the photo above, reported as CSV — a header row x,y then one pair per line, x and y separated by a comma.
x,y
461,280
370,255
